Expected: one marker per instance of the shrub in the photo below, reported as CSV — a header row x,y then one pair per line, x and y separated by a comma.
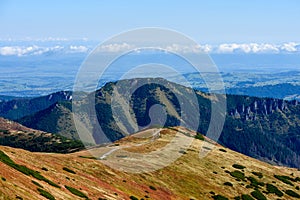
x,y
44,168
237,166
46,194
273,189
51,183
238,175
228,184
258,195
182,151
133,198
152,187
292,194
254,182
246,197
76,192
69,170
3,179
199,137
219,197
37,184
284,179
88,157
258,174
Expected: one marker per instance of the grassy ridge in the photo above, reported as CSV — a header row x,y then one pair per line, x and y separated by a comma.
x,y
25,170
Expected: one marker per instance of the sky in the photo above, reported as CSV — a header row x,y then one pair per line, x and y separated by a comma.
x,y
211,21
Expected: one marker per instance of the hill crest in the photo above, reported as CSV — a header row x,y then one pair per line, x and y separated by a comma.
x,y
222,172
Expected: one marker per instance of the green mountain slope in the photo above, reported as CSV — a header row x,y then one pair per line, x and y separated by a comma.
x,y
263,128
55,119
19,108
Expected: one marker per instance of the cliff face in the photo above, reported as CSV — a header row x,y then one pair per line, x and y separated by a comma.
x,y
261,106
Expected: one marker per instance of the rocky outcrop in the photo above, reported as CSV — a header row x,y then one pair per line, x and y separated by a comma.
x,y
262,107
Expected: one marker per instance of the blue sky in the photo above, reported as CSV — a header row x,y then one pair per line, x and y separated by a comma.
x,y
204,21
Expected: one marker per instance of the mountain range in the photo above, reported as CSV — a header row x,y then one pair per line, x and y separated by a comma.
x,y
263,128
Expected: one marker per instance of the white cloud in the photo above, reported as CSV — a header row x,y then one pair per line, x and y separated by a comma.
x,y
205,48
248,48
255,48
37,50
7,51
43,50
16,50
119,47
189,48
79,49
237,48
227,48
114,48
264,48
290,47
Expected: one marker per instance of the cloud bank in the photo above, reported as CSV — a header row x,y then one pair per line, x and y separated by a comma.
x,y
244,48
38,50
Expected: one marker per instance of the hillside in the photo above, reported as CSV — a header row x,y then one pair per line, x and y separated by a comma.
x,y
55,119
21,107
15,135
222,172
263,128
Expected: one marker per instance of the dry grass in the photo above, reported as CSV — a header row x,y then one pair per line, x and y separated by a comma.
x,y
189,177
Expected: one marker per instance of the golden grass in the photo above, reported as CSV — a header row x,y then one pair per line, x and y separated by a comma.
x,y
189,177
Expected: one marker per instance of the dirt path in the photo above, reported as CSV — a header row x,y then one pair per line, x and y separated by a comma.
x,y
154,136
